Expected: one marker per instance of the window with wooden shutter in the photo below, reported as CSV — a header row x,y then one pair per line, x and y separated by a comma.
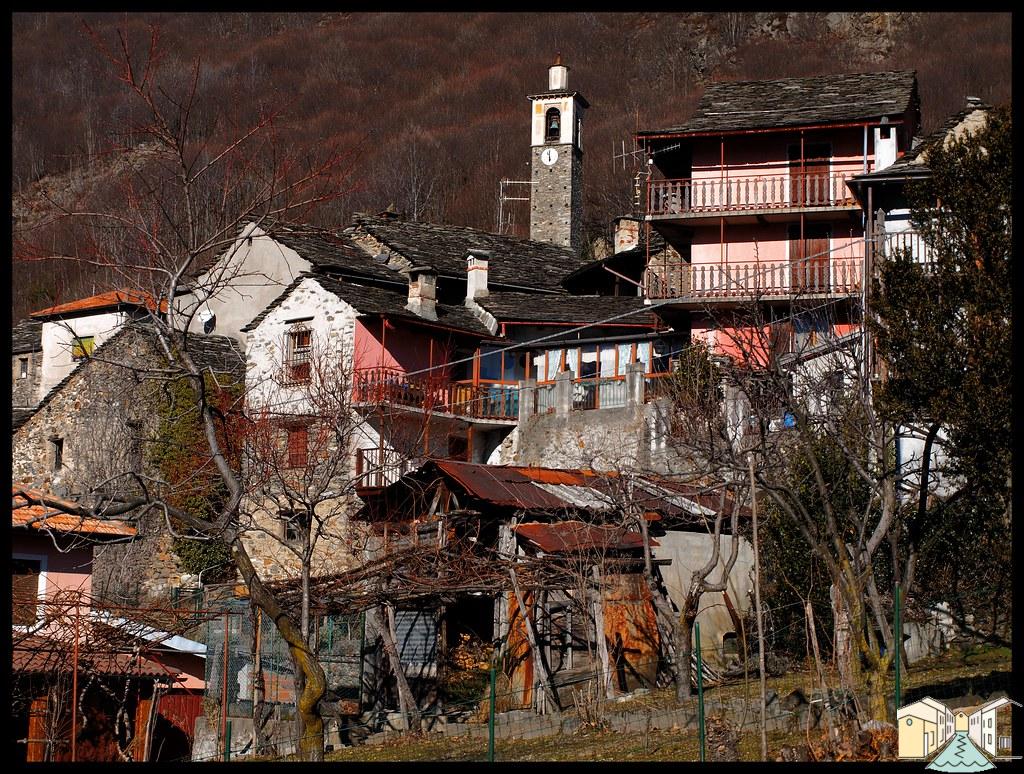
x,y
25,591
298,447
298,351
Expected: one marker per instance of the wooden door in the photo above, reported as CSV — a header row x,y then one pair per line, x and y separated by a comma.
x,y
810,263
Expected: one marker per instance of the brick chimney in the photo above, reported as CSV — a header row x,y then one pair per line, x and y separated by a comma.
x,y
476,273
423,292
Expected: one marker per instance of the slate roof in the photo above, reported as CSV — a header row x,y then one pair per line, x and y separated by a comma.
x,y
329,250
912,163
372,300
530,307
27,336
220,354
820,99
514,262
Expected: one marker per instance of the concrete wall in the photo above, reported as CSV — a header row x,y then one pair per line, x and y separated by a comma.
x,y
57,337
250,274
689,551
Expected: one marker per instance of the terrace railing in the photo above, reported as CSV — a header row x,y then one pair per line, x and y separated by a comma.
x,y
390,386
762,192
754,279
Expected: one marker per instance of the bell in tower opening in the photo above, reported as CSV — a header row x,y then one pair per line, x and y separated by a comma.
x,y
554,133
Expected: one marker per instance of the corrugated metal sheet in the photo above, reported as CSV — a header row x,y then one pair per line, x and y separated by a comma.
x,y
416,632
42,655
576,536
500,485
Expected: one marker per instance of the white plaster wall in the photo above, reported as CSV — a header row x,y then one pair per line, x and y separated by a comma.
x,y
333,324
57,336
567,119
689,551
242,283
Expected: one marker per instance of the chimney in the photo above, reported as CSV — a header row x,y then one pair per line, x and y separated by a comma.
x,y
626,234
423,292
476,274
558,75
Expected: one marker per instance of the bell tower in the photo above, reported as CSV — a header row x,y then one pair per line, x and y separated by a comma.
x,y
556,196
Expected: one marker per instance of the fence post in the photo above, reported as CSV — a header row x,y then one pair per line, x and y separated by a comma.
x,y
490,717
897,643
227,745
700,694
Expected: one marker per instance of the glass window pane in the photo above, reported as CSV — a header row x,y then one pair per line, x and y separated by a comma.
x,y
572,361
554,360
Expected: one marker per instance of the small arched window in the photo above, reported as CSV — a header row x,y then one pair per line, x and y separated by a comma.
x,y
553,124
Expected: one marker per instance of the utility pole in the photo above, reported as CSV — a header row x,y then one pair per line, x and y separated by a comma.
x,y
757,610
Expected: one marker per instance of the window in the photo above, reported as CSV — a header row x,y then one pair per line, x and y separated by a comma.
x,y
58,453
298,447
22,367
294,524
553,125
82,347
25,574
297,355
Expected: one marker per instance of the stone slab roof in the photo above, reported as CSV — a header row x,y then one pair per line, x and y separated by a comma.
x,y
529,307
914,161
373,300
821,99
514,263
329,250
27,336
220,354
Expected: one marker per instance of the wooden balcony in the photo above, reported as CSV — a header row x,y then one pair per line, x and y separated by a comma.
x,y
722,196
755,279
909,243
389,386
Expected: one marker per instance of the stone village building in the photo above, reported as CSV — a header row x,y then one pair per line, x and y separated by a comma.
x,y
485,349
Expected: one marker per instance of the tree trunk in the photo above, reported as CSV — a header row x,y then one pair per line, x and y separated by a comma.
x,y
684,647
314,681
406,700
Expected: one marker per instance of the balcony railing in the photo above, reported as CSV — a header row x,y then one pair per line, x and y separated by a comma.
x,y
910,242
390,386
754,279
764,192
378,468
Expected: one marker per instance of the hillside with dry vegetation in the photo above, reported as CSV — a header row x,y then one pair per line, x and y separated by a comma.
x,y
431,106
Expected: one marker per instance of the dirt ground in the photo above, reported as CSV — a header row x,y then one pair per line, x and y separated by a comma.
x,y
595,744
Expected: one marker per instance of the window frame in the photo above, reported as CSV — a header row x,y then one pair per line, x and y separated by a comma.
x,y
82,347
298,357
552,112
23,367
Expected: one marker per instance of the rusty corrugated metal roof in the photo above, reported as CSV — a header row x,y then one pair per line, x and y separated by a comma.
x,y
578,536
41,517
44,655
535,488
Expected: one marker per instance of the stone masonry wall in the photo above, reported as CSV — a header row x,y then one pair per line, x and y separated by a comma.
x,y
25,391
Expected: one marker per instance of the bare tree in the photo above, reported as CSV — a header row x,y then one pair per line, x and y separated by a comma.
x,y
822,457
183,207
